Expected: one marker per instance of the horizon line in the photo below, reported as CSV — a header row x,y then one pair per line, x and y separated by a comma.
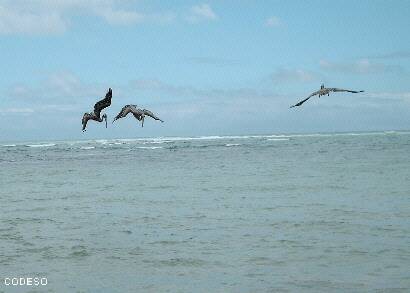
x,y
215,136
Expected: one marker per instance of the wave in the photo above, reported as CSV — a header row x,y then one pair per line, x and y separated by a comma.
x,y
40,145
171,140
149,148
87,148
232,144
157,142
262,136
102,141
278,139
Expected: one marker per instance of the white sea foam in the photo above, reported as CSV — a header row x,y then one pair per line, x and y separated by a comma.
x,y
149,148
164,140
88,148
40,145
278,139
232,144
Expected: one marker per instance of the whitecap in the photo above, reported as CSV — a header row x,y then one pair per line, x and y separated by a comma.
x,y
102,141
40,145
150,148
232,144
278,139
88,148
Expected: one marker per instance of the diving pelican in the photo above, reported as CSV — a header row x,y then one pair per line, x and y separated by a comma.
x,y
98,107
137,112
324,91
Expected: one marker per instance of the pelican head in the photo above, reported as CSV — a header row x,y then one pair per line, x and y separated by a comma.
x,y
322,86
104,117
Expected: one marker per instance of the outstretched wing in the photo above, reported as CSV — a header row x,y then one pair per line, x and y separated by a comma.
x,y
301,102
343,90
150,114
104,103
84,121
124,112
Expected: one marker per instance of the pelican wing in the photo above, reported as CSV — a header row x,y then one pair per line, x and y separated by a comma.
x,y
124,112
104,103
152,115
301,102
343,90
84,121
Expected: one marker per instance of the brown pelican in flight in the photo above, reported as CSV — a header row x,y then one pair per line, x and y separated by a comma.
x,y
324,91
137,112
98,107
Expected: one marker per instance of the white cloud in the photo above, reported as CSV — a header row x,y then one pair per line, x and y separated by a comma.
x,y
197,93
362,66
63,87
26,22
124,17
16,111
401,96
273,21
214,61
54,17
121,17
394,55
201,12
294,75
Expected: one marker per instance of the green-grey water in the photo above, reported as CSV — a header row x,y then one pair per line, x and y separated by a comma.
x,y
291,213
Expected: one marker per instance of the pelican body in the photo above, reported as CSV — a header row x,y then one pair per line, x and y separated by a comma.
x,y
323,92
138,113
98,107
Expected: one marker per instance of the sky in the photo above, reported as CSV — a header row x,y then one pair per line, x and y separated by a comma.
x,y
206,68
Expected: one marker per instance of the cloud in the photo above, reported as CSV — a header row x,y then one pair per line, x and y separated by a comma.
x,y
201,12
228,102
123,17
273,21
362,66
26,22
214,61
294,75
16,111
55,17
65,92
194,93
400,96
59,88
393,55
46,17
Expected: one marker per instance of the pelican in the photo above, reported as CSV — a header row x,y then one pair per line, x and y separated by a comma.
x,y
98,107
137,112
324,91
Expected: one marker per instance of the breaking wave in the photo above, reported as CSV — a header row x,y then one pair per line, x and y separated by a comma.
x,y
40,145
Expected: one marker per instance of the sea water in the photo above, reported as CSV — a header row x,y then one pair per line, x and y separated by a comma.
x,y
268,213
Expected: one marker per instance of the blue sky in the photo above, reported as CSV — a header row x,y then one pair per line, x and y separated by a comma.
x,y
206,68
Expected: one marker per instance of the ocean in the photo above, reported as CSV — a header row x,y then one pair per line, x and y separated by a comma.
x,y
268,213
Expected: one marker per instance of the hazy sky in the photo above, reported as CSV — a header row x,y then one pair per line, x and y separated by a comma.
x,y
206,68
